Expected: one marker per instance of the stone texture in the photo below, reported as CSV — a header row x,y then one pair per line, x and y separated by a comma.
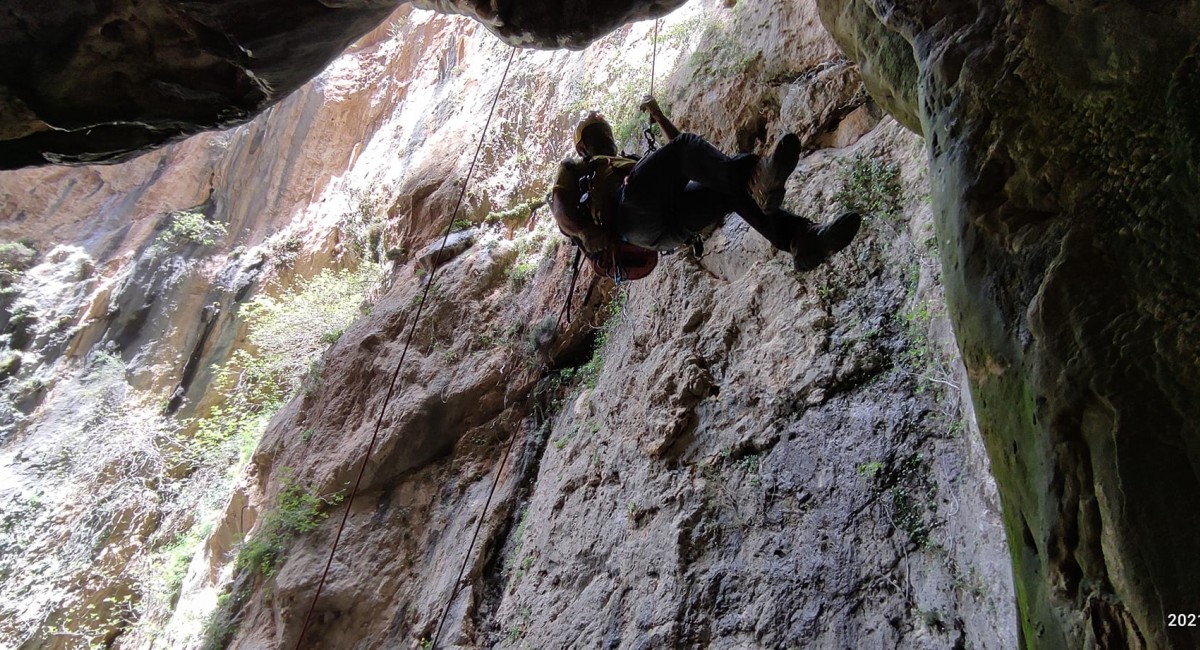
x,y
105,281
716,487
441,251
102,82
573,24
762,462
1063,147
709,491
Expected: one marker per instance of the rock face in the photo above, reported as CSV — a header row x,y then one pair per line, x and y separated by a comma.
x,y
1064,144
105,81
749,458
724,454
112,321
101,82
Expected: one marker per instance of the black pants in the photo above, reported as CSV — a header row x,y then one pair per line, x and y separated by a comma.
x,y
687,185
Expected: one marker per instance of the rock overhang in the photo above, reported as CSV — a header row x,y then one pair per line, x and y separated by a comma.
x,y
104,82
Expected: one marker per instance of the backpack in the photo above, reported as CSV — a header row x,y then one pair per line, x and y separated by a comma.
x,y
625,262
598,200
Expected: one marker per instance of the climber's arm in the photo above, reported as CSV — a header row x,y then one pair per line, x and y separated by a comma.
x,y
650,105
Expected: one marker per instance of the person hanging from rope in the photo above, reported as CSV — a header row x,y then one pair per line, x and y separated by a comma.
x,y
608,202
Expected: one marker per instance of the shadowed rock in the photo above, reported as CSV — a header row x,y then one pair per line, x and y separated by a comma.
x,y
1064,146
102,82
441,251
572,24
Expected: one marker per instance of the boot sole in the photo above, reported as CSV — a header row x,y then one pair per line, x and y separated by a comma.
x,y
832,238
776,171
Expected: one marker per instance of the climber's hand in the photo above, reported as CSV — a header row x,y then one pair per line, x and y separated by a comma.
x,y
650,105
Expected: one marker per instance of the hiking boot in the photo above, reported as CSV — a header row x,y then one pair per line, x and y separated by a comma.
x,y
766,184
812,245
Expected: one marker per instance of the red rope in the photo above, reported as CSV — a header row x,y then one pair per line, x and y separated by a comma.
x,y
396,374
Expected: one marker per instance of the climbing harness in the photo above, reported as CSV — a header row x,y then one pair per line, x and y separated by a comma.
x,y
648,133
392,389
623,262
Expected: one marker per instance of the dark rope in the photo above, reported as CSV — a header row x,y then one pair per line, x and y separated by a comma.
x,y
474,536
396,374
648,132
571,291
654,55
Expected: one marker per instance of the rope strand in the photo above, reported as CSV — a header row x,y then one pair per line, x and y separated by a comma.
x,y
396,374
654,55
648,132
474,536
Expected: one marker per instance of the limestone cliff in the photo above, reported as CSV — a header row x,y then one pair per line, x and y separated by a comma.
x,y
1063,143
103,82
725,454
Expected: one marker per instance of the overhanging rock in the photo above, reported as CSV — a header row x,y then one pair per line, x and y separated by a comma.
x,y
102,82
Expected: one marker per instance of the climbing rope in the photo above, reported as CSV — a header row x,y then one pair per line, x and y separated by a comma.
x,y
654,55
648,132
474,536
396,374
566,308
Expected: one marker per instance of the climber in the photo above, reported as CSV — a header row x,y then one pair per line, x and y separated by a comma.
x,y
606,201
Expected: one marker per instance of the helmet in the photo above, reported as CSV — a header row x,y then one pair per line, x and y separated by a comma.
x,y
590,119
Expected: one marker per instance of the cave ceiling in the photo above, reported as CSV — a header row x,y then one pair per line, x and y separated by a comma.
x,y
101,82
